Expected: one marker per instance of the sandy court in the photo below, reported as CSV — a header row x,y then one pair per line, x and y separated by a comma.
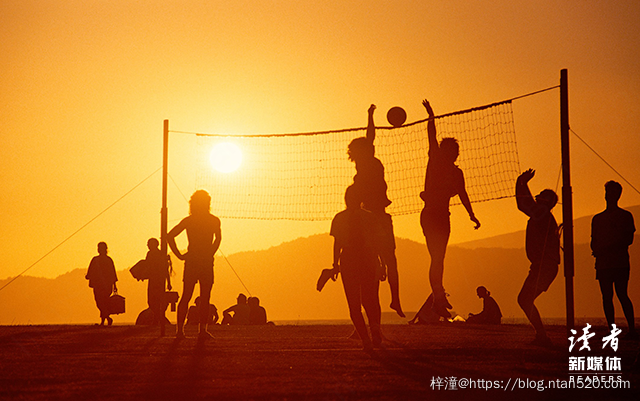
x,y
290,362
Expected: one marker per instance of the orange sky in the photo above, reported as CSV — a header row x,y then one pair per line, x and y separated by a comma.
x,y
86,86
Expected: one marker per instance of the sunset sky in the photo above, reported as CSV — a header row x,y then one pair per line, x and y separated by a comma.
x,y
86,85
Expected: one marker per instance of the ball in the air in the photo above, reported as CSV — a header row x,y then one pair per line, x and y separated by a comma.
x,y
396,116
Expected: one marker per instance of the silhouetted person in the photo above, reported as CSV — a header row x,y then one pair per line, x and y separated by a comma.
x,y
443,181
426,315
369,181
193,316
611,234
257,313
543,249
204,234
355,256
102,278
240,312
159,282
490,314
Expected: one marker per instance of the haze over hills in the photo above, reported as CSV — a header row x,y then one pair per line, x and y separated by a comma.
x,y
284,278
581,233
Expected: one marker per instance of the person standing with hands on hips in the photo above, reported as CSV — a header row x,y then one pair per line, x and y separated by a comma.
x,y
205,235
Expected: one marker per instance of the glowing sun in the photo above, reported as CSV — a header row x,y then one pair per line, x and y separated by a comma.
x,y
225,157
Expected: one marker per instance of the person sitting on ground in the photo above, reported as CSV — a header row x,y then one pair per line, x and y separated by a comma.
x,y
426,315
193,316
490,314
240,312
257,313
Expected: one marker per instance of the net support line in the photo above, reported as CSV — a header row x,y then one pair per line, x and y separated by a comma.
x,y
80,229
604,161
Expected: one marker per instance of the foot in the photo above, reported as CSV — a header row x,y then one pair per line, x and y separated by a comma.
x,y
395,305
109,321
377,343
367,346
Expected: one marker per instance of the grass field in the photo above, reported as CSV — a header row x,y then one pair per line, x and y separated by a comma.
x,y
297,362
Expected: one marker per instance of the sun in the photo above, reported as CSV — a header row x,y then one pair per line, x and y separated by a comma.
x,y
225,157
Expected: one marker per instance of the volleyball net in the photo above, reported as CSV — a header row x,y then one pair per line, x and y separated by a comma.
x,y
304,176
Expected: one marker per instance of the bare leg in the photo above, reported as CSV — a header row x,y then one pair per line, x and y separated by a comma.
x,y
371,302
527,296
352,291
205,296
183,306
437,241
394,281
606,288
627,305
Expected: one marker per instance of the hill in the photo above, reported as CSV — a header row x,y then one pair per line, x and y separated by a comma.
x,y
284,278
581,234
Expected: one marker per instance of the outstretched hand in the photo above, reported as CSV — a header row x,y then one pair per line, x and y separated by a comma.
x,y
371,108
427,106
475,220
527,175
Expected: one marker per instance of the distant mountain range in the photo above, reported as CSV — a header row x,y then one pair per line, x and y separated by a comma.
x,y
581,234
284,278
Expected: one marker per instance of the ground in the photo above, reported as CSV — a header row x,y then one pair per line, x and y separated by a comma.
x,y
316,362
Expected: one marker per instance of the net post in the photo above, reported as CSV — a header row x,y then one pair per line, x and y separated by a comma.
x,y
165,173
567,201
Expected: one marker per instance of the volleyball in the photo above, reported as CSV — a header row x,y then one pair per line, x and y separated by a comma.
x,y
396,116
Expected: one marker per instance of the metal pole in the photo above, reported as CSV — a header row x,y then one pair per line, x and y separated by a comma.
x,y
165,173
567,201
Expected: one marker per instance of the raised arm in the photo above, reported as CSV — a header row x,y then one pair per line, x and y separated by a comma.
x,y
371,128
524,199
431,126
